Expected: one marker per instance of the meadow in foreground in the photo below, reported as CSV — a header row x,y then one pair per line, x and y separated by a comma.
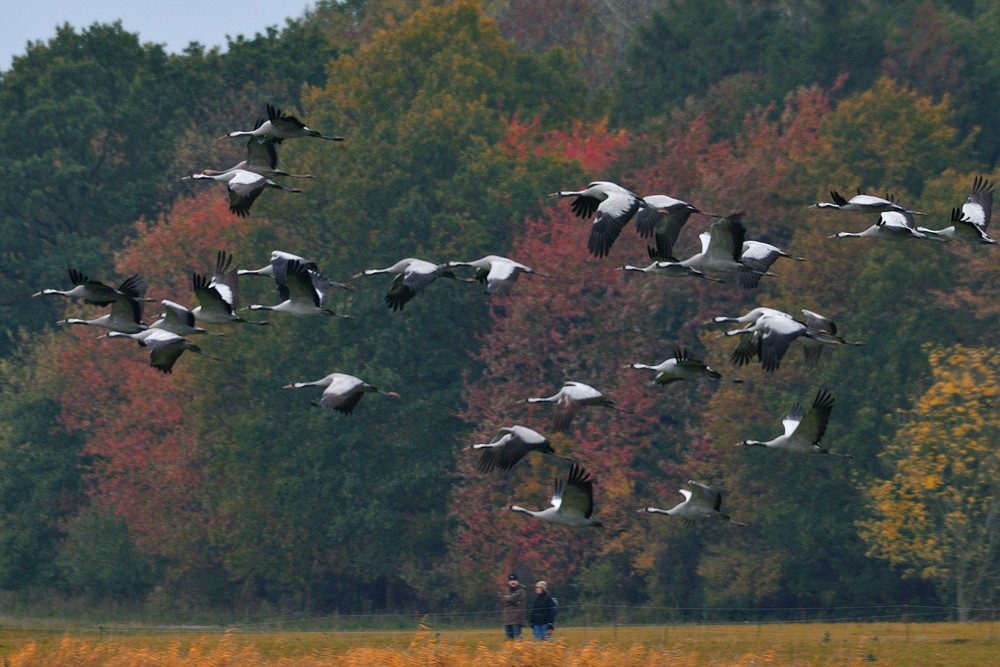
x,y
945,644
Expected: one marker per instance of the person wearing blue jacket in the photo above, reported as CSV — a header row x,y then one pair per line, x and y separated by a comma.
x,y
543,612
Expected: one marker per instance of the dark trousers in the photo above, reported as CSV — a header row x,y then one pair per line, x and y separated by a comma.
x,y
513,631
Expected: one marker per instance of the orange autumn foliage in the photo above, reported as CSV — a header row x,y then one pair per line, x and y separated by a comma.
x,y
593,145
423,650
142,444
558,328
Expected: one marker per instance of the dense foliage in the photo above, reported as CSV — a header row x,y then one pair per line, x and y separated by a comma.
x,y
213,487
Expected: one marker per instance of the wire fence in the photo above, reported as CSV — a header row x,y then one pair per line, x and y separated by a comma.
x,y
590,617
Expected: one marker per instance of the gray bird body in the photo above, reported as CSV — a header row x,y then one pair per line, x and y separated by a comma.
x,y
508,446
572,501
701,502
244,187
803,429
612,207
969,223
680,367
412,276
570,398
341,392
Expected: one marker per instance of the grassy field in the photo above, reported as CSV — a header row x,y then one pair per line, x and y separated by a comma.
x,y
904,645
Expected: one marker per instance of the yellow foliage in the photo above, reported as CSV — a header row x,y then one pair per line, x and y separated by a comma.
x,y
937,502
931,482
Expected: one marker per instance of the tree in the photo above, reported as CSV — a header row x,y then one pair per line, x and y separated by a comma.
x,y
559,328
972,283
100,561
974,29
595,32
41,485
83,158
141,450
879,296
312,507
858,136
924,55
107,126
887,284
688,47
937,514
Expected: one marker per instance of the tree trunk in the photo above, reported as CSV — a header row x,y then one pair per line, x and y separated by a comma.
x,y
390,597
960,601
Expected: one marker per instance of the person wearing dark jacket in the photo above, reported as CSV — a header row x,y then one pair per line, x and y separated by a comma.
x,y
513,604
543,612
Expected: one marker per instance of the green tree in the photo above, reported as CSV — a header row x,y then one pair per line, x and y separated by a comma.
x,y
924,54
974,30
140,428
880,288
40,477
887,285
84,156
312,508
689,47
889,137
937,514
99,560
594,31
230,89
104,128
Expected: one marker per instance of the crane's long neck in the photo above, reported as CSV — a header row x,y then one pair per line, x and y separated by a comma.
x,y
322,382
100,321
212,174
265,271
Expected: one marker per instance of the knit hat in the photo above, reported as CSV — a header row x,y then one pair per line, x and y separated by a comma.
x,y
541,584
511,577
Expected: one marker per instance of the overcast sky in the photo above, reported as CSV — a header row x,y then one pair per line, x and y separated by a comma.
x,y
173,23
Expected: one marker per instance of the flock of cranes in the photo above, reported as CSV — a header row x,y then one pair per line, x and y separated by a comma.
x,y
248,179
765,333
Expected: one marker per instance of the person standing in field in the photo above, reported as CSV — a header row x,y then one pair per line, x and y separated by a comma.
x,y
513,602
543,612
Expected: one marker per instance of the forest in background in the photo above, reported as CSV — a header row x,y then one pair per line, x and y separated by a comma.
x,y
211,488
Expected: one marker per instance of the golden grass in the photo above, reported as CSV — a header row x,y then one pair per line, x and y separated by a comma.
x,y
788,645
